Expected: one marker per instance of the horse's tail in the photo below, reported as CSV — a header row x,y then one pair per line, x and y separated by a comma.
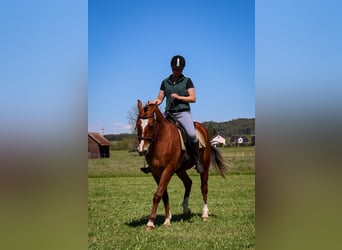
x,y
217,161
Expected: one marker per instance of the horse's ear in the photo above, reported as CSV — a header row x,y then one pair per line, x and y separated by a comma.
x,y
140,108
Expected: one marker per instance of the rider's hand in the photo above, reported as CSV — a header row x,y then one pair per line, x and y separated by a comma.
x,y
175,96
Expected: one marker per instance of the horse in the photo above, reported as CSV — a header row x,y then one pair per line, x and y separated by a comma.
x,y
161,144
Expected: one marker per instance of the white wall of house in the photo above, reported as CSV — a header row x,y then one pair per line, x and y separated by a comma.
x,y
217,140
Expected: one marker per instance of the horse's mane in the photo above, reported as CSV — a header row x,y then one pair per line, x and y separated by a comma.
x,y
149,104
154,109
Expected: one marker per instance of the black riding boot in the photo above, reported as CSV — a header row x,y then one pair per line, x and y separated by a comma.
x,y
146,170
195,153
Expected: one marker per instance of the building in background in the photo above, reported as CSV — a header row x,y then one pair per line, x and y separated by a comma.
x,y
218,140
98,146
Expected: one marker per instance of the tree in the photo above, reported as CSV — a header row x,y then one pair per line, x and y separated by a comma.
x,y
211,130
132,116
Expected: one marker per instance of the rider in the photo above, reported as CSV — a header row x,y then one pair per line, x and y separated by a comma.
x,y
180,92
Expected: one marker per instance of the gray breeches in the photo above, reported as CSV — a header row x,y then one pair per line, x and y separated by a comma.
x,y
185,118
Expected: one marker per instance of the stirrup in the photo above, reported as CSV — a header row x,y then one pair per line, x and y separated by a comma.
x,y
146,170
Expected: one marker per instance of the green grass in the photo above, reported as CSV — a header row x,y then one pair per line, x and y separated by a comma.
x,y
123,163
120,201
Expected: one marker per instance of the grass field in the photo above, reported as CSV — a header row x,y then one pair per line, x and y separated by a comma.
x,y
127,164
120,200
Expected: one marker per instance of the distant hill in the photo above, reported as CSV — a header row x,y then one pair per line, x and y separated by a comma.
x,y
119,137
241,126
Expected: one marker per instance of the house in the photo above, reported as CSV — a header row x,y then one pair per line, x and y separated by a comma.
x,y
217,140
236,140
98,146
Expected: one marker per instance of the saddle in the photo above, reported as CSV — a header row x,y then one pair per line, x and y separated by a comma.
x,y
185,140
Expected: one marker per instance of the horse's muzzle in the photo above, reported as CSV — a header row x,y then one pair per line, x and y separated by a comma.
x,y
142,152
143,147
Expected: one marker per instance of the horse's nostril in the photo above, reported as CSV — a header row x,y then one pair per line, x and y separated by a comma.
x,y
143,152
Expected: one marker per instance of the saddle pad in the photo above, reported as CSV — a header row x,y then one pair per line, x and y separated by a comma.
x,y
199,137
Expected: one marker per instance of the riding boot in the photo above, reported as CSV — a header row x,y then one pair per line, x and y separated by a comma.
x,y
146,170
195,153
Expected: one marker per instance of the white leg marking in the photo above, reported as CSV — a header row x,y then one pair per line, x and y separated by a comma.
x,y
167,221
150,224
205,211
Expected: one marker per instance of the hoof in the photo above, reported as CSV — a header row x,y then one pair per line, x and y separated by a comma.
x,y
149,228
187,215
167,224
205,218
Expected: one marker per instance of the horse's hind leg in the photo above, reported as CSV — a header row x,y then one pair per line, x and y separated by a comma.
x,y
204,189
187,185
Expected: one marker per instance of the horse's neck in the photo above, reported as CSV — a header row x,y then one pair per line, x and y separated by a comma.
x,y
159,116
161,120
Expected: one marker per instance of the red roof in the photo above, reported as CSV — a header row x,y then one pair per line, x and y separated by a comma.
x,y
99,139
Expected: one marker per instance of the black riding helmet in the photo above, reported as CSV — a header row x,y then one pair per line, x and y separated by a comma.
x,y
178,62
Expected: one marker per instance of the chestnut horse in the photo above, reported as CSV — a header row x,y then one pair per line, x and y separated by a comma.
x,y
160,142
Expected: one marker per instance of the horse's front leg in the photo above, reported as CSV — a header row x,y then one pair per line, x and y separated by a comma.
x,y
162,184
168,215
153,215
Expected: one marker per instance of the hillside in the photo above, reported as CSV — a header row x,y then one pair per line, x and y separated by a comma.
x,y
238,127
241,126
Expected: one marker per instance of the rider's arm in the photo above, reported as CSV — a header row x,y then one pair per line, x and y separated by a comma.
x,y
160,97
190,98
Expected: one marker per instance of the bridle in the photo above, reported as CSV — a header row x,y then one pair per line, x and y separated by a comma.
x,y
151,138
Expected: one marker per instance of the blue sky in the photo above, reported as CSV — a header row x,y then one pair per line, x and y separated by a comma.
x,y
131,43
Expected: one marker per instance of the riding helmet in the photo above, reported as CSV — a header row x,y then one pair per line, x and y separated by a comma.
x,y
178,62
